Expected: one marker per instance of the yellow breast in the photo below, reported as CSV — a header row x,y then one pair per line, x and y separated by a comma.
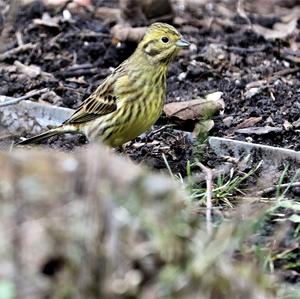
x,y
140,121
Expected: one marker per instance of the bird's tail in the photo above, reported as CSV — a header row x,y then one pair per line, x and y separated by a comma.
x,y
43,136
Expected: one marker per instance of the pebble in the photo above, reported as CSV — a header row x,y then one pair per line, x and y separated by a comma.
x,y
181,76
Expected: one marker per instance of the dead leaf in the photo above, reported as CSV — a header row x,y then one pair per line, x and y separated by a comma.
x,y
47,21
215,96
287,125
123,33
259,130
227,121
32,71
108,14
258,83
63,2
252,92
194,109
249,122
296,123
255,87
280,30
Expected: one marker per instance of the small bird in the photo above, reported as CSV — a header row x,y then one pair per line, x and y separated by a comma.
x,y
130,100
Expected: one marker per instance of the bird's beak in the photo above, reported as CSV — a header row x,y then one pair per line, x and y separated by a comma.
x,y
182,43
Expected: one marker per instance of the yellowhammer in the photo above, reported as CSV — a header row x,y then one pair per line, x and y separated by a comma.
x,y
130,100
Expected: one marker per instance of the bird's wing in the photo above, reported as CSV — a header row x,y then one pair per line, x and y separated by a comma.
x,y
102,101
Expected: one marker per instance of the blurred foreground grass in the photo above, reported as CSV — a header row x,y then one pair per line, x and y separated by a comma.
x,y
92,225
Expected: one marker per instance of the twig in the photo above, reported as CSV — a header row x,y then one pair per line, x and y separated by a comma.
x,y
241,50
273,188
80,72
90,33
154,132
16,50
241,12
168,166
209,193
7,101
285,72
223,170
5,136
19,38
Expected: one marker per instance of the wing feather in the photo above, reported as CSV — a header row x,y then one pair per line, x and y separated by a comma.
x,y
102,101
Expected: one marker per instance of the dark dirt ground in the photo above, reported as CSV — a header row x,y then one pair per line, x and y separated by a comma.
x,y
225,56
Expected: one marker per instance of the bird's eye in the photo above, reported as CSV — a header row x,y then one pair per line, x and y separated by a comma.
x,y
165,39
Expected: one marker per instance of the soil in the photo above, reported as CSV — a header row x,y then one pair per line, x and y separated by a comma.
x,y
77,54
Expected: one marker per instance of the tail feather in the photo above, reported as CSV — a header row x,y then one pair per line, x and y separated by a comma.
x,y
43,136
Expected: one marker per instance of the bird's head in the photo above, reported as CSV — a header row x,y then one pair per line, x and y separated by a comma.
x,y
161,43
